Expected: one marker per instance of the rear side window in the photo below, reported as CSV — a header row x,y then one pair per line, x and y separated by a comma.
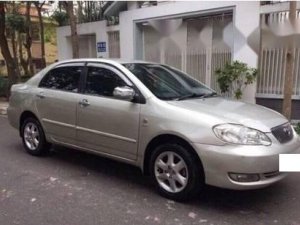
x,y
101,81
63,78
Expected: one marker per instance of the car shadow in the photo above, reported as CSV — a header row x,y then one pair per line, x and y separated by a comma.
x,y
101,165
246,201
218,199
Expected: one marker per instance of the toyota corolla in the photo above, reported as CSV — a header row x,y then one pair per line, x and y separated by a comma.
x,y
176,129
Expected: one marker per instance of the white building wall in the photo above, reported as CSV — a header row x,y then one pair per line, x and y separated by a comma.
x,y
99,29
246,21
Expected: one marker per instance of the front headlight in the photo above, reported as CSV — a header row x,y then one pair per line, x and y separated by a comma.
x,y
239,134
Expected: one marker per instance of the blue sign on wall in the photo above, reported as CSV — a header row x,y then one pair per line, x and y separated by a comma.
x,y
101,46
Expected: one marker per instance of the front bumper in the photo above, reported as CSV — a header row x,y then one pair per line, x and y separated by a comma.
x,y
219,161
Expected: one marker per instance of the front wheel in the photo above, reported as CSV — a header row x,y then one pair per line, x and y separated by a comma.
x,y
176,172
33,137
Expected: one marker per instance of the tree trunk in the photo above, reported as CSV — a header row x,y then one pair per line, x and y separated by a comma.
x,y
39,10
290,58
23,62
15,54
12,79
80,12
74,37
14,47
28,38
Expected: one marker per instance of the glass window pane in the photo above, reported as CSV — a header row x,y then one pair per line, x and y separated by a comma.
x,y
165,82
63,78
101,81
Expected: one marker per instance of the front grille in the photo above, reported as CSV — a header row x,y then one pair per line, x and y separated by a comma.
x,y
283,133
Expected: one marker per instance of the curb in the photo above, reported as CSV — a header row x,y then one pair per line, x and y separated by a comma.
x,y
3,109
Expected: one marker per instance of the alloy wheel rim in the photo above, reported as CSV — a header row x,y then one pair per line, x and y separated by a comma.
x,y
31,136
171,172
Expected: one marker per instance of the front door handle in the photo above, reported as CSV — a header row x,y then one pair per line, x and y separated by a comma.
x,y
84,103
41,95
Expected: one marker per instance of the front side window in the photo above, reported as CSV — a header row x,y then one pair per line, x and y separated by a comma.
x,y
63,78
167,83
102,81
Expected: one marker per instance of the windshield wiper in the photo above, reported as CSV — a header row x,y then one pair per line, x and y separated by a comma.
x,y
209,95
194,95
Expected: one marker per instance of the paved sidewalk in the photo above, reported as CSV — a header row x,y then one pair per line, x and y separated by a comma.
x,y
3,107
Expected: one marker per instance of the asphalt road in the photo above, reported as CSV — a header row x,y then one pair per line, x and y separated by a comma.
x,y
74,188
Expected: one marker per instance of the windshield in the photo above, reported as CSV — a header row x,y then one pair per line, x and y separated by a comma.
x,y
167,83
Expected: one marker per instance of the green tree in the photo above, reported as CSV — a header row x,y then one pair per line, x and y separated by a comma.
x,y
39,5
72,19
15,25
10,63
234,78
60,17
89,11
28,41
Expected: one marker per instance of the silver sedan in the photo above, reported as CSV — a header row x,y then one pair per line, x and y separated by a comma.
x,y
176,129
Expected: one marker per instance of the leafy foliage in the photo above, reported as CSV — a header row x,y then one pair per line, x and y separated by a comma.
x,y
90,11
234,78
50,33
3,86
297,128
61,17
15,22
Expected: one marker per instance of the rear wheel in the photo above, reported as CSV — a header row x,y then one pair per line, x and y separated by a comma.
x,y
176,172
33,137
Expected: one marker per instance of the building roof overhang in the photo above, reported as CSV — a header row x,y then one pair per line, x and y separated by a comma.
x,y
115,8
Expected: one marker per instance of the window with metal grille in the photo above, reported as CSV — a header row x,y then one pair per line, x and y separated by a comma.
x,y
114,44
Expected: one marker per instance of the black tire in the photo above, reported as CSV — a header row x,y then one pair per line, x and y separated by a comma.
x,y
195,179
43,147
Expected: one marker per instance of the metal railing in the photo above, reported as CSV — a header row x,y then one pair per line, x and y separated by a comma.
x,y
114,44
270,82
200,64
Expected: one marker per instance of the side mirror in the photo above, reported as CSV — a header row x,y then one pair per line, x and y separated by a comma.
x,y
124,93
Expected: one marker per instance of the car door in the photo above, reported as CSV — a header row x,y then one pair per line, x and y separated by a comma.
x,y
56,102
104,123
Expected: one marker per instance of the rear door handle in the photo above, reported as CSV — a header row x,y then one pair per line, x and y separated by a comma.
x,y
41,95
84,103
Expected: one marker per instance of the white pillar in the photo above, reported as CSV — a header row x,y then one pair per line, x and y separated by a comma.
x,y
246,22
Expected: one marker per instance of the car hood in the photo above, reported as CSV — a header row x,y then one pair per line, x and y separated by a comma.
x,y
232,111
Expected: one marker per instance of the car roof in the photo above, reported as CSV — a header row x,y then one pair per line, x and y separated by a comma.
x,y
111,61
